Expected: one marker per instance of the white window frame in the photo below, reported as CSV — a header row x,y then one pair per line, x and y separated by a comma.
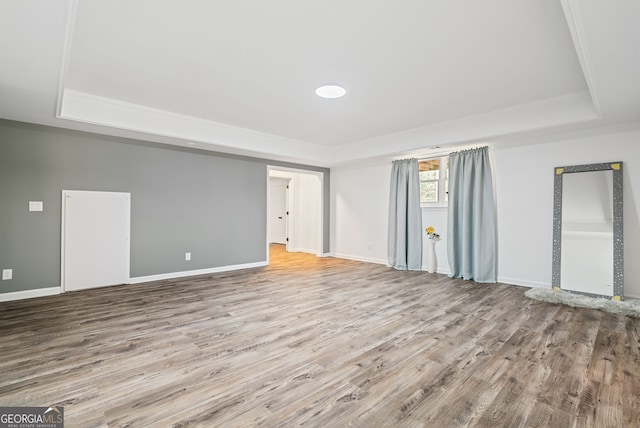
x,y
442,175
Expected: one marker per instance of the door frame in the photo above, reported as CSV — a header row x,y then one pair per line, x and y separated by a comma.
x,y
286,172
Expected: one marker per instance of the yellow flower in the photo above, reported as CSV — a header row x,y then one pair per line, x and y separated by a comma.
x,y
431,231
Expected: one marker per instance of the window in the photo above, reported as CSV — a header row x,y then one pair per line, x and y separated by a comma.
x,y
434,181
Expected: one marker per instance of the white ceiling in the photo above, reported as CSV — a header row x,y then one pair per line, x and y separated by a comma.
x,y
240,76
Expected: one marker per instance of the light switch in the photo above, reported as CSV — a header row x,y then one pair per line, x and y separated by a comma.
x,y
36,206
7,274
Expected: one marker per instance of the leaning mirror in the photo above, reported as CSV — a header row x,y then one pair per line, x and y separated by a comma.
x,y
587,230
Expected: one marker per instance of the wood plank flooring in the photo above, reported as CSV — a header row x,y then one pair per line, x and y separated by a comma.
x,y
319,342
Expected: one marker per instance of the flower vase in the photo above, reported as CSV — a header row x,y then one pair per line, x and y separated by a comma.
x,y
432,261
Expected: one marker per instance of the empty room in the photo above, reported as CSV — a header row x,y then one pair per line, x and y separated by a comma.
x,y
330,214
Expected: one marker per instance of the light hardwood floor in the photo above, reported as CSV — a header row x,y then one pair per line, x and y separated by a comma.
x,y
319,342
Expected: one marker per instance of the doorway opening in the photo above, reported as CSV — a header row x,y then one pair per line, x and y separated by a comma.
x,y
296,196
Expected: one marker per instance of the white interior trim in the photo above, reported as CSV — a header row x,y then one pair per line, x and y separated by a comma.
x,y
29,294
358,259
319,250
580,42
472,130
66,52
172,275
93,109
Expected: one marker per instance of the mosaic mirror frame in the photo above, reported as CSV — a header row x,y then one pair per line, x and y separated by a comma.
x,y
618,244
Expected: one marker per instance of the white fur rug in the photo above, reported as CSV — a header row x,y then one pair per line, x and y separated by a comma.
x,y
630,307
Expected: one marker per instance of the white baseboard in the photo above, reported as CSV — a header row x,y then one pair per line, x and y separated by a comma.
x,y
358,258
172,275
378,261
29,294
42,292
303,250
524,283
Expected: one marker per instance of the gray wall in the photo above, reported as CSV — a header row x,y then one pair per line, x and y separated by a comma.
x,y
210,204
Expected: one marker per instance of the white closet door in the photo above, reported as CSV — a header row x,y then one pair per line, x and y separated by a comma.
x,y
278,211
95,239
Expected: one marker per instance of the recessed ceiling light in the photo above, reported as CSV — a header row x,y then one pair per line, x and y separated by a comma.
x,y
330,91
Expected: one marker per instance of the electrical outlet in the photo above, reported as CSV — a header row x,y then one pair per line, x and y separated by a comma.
x,y
7,274
187,256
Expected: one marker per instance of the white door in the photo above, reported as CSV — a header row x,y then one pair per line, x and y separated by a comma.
x,y
95,239
278,214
